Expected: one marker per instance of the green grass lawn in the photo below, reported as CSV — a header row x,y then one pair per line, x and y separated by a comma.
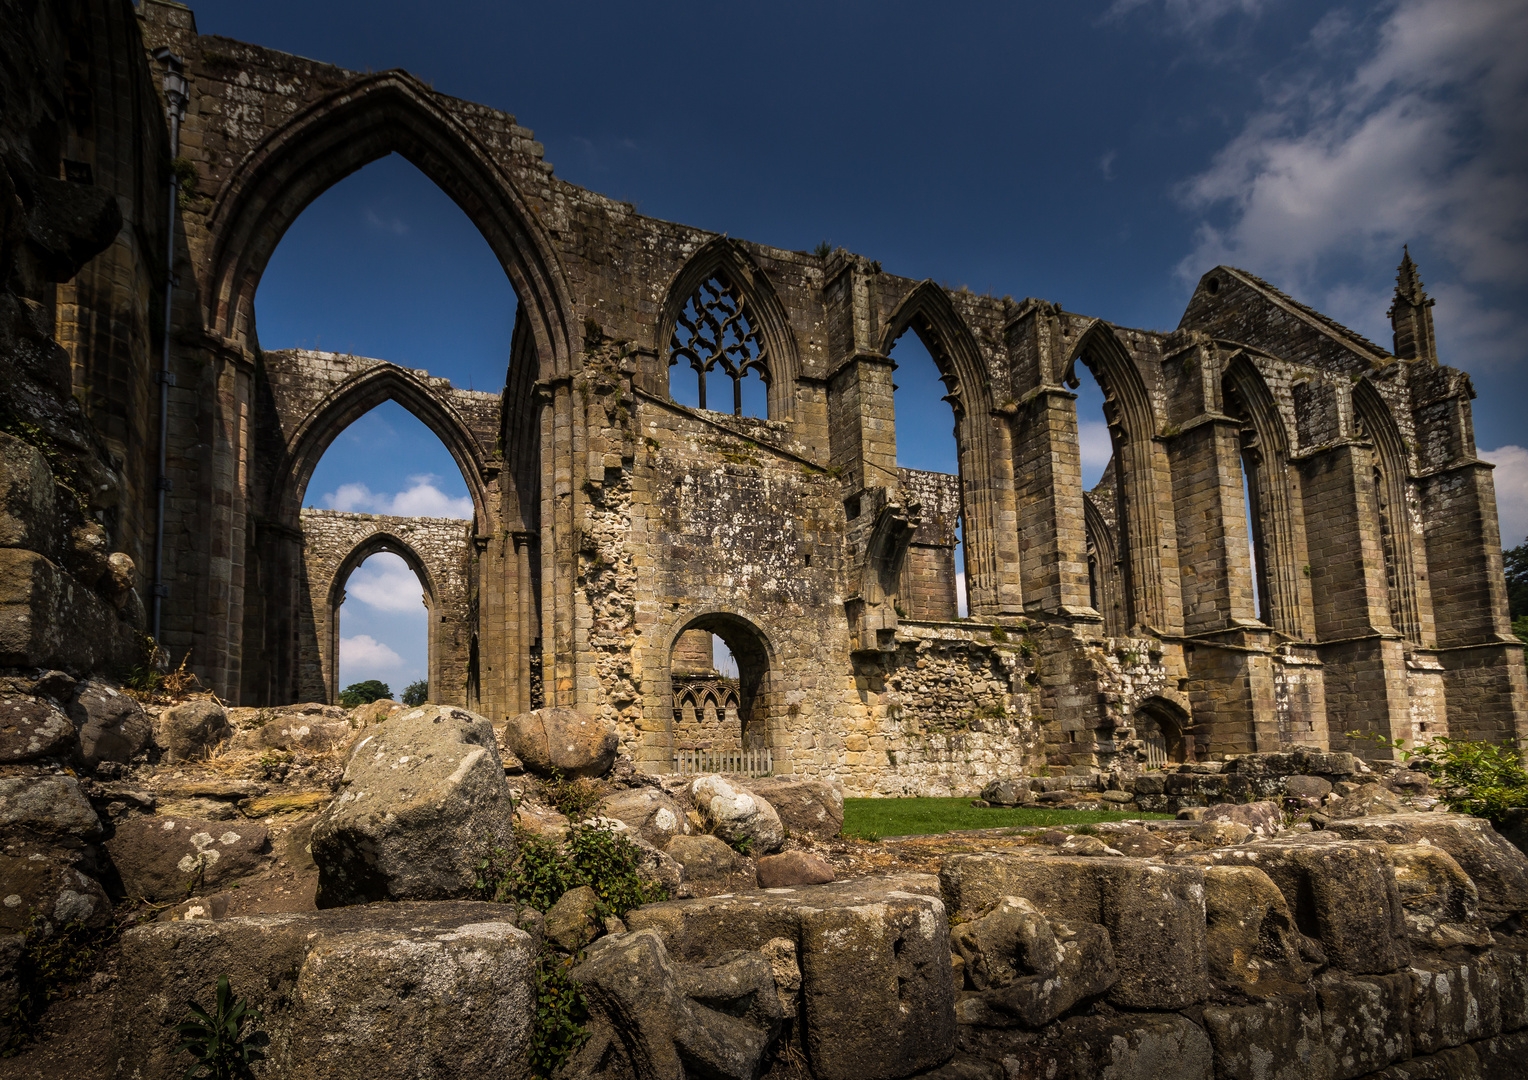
x,y
916,817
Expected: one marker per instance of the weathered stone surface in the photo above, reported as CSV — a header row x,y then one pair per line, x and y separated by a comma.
x,y
1341,893
563,741
1011,940
87,551
1369,799
112,725
1277,1039
793,868
710,866
49,884
374,712
1308,787
422,799
576,919
1496,866
648,812
1007,791
50,619
1441,904
1155,914
1453,1002
190,731
1262,819
1085,970
168,858
1135,1047
646,1026
28,509
291,732
1250,937
805,807
1510,959
736,815
1502,1058
1365,1021
47,805
32,728
381,991
877,994
1221,833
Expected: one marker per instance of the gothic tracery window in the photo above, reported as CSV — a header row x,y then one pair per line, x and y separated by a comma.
x,y
714,332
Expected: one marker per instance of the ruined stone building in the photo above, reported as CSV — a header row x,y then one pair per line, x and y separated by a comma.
x,y
1131,624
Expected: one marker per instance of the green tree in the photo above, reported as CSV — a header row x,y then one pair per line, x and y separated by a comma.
x,y
1516,562
364,693
417,693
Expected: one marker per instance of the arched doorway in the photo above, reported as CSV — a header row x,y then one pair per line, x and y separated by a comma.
x,y
1163,730
719,721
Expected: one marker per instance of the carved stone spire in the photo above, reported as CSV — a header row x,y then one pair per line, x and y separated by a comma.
x,y
1411,314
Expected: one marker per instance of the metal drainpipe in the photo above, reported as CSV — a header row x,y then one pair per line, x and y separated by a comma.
x,y
175,112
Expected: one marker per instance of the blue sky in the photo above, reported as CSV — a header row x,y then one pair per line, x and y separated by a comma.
x,y
1100,154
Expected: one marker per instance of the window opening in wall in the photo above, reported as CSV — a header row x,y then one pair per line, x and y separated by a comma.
x,y
719,674
1161,734
934,581
1251,461
1104,520
717,358
383,626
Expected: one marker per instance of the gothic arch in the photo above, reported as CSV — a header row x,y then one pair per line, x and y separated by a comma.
x,y
380,541
1146,532
1103,559
759,698
390,112
723,256
1265,459
985,499
1393,502
351,400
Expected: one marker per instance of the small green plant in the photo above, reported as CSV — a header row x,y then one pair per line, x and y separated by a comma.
x,y
1477,778
1520,628
271,762
999,634
538,873
823,249
1085,830
561,1010
225,1041
743,845
364,693
416,693
575,799
996,711
607,862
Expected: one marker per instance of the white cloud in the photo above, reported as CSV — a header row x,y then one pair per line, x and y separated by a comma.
x,y
364,657
385,582
422,498
1106,164
962,609
1423,139
1511,478
1189,16
1096,450
396,226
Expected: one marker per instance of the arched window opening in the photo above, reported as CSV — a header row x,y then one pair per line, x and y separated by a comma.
x,y
713,333
719,675
387,462
933,584
1160,729
382,628
417,284
1103,513
1252,485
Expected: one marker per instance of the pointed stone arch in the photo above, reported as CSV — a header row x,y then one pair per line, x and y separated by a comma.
x,y
727,259
759,694
1104,568
367,119
1392,492
987,497
1146,531
382,541
354,398
1274,510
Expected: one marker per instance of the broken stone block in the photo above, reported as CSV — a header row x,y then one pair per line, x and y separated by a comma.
x,y
1155,914
422,800
737,815
1250,937
1262,819
647,811
1011,940
112,725
190,731
452,986
1453,1003
1365,1021
1009,791
1341,893
1136,1047
576,919
793,868
28,508
169,858
32,728
47,805
560,740
1085,970
877,992
812,808
49,884
710,866
1496,866
1441,905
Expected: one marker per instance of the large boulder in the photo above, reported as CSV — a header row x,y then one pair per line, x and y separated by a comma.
x,y
422,800
710,866
1262,819
653,1019
737,815
293,731
1007,791
793,868
382,992
877,992
647,811
47,805
170,858
812,808
1155,914
49,884
32,728
192,730
112,725
562,741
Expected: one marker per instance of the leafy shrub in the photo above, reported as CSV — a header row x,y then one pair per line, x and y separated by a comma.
x,y
52,960
538,873
607,862
225,1041
560,1012
1478,778
416,693
364,693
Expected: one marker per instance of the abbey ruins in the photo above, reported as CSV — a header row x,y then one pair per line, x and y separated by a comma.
x,y
1137,622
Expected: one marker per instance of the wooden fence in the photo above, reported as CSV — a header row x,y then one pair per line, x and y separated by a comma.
x,y
741,762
